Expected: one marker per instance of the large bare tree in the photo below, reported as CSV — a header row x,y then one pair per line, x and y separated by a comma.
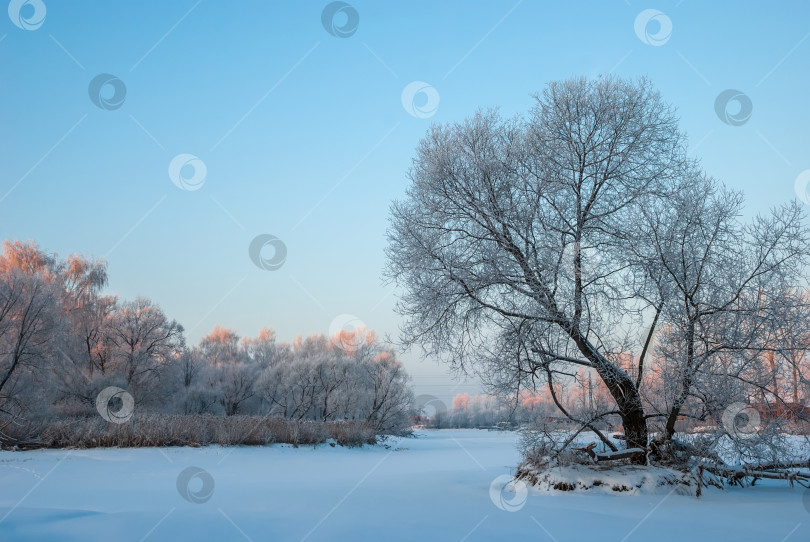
x,y
525,248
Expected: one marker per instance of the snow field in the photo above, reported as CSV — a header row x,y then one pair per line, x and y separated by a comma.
x,y
438,486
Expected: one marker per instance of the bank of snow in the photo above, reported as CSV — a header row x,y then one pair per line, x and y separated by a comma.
x,y
622,479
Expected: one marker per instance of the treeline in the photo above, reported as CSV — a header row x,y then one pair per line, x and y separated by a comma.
x,y
480,411
65,347
490,411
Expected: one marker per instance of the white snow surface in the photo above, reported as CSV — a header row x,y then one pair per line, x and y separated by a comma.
x,y
617,479
433,487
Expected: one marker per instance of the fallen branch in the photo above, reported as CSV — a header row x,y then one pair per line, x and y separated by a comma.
x,y
774,466
737,475
610,456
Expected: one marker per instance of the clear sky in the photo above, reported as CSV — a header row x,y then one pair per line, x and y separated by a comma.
x,y
304,136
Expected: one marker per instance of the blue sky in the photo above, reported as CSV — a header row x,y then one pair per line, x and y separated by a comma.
x,y
304,135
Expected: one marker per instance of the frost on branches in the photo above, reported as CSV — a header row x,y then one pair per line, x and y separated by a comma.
x,y
580,241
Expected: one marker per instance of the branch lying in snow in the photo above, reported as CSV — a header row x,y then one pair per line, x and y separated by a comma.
x,y
621,454
737,476
792,471
610,456
776,466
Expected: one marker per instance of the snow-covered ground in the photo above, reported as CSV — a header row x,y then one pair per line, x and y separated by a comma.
x,y
434,487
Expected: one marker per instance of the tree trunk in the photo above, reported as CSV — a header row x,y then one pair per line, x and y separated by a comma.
x,y
677,406
632,413
635,429
686,384
797,360
624,392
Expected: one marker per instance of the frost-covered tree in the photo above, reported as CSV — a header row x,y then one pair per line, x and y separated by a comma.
x,y
221,346
63,340
497,239
724,296
146,342
29,317
263,349
581,237
323,380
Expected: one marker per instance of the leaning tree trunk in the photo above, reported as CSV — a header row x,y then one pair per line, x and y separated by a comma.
x,y
624,392
628,400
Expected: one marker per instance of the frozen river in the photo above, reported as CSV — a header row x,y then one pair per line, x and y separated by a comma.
x,y
433,487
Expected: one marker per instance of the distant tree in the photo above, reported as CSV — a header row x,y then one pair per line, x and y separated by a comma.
x,y
221,346
29,319
391,396
322,381
146,342
263,349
